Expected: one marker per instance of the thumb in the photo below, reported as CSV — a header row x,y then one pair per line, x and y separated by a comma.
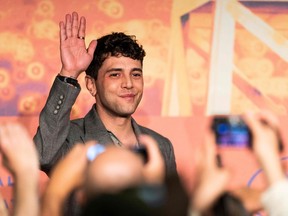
x,y
92,47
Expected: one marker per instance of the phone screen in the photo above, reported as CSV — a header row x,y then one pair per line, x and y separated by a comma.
x,y
231,131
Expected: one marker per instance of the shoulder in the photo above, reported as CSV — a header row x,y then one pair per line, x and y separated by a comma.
x,y
157,136
165,146
76,126
79,122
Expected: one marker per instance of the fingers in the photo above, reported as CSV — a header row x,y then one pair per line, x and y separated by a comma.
x,y
263,119
148,143
152,148
4,142
74,24
72,27
270,119
68,25
17,148
82,28
154,170
252,121
210,149
4,137
63,34
10,137
264,126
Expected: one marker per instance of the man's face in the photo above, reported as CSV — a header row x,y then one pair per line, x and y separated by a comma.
x,y
119,86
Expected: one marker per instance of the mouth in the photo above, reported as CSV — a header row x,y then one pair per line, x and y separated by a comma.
x,y
128,96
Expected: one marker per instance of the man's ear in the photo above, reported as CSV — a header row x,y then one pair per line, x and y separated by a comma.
x,y
91,85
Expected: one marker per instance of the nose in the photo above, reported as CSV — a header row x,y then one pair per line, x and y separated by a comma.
x,y
127,81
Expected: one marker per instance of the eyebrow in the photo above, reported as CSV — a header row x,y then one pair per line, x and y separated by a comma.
x,y
120,69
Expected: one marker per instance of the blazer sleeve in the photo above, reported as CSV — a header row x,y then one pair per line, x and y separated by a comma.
x,y
54,124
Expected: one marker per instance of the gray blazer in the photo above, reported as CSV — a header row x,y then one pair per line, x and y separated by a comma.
x,y
56,133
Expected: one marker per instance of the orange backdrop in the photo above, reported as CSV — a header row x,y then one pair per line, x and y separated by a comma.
x,y
178,38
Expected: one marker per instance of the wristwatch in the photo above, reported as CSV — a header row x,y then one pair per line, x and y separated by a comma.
x,y
69,80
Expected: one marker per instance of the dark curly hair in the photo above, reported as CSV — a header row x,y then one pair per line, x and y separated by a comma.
x,y
114,44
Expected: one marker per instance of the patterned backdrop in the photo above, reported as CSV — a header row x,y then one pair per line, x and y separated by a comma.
x,y
177,36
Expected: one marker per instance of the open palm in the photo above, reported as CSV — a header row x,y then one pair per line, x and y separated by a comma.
x,y
74,55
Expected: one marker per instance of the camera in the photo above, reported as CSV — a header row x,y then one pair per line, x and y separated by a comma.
x,y
231,131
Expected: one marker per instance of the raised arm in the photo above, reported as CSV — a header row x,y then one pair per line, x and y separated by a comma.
x,y
209,174
52,138
20,158
265,129
266,136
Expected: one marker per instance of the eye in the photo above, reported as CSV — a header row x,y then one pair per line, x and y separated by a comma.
x,y
114,74
137,74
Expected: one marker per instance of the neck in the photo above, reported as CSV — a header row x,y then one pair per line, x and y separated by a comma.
x,y
121,127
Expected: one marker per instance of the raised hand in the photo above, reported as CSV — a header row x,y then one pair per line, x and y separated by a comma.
x,y
75,57
21,159
265,128
209,174
18,150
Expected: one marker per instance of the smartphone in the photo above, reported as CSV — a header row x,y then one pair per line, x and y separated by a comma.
x,y
231,131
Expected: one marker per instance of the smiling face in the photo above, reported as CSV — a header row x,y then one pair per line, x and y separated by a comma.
x,y
119,86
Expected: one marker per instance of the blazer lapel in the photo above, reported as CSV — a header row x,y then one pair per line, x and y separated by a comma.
x,y
94,129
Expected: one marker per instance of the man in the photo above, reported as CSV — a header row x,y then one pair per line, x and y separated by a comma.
x,y
114,76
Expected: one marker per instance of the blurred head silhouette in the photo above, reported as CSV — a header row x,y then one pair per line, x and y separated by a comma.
x,y
113,170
